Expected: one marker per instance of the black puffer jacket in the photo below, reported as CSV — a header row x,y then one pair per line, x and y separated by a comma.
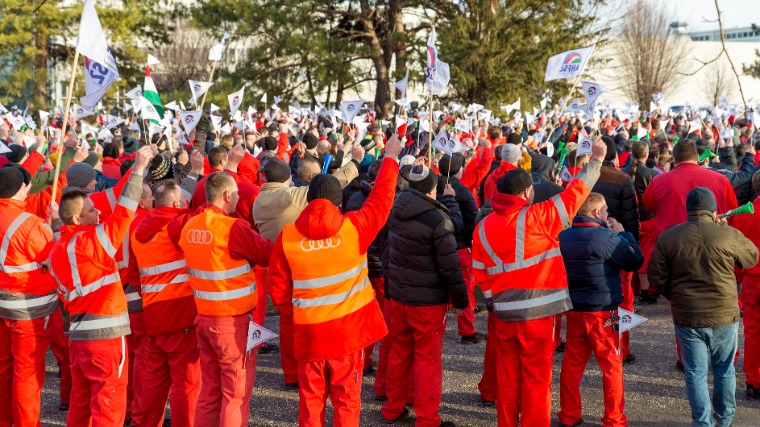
x,y
617,189
467,208
741,179
423,262
543,186
641,180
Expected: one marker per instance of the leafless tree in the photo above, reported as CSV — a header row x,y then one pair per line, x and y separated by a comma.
x,y
182,59
650,56
717,81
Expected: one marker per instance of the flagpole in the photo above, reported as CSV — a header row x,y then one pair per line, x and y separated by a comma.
x,y
211,79
430,132
64,124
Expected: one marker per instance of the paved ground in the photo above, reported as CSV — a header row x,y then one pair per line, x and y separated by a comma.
x,y
655,394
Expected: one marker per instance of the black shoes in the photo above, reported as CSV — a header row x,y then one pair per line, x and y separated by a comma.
x,y
167,422
403,415
475,338
646,298
560,348
629,360
380,398
269,348
369,371
63,407
447,424
487,403
290,386
579,423
478,309
752,392
679,366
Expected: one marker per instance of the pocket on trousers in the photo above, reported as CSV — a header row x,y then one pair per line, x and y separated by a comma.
x,y
236,387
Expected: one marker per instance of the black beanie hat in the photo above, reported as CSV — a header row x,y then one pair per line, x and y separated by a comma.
x,y
325,186
701,199
514,138
11,180
450,165
422,179
611,149
270,143
310,141
514,182
276,170
17,153
161,167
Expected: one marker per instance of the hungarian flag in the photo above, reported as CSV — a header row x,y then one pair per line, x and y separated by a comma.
x,y
151,94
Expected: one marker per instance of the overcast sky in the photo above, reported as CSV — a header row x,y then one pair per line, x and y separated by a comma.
x,y
736,13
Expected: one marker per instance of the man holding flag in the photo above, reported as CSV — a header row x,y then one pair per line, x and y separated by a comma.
x,y
596,291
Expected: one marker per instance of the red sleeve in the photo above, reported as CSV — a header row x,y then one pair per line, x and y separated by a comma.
x,y
476,171
731,202
174,228
248,245
647,199
283,146
279,280
374,213
199,195
33,162
105,200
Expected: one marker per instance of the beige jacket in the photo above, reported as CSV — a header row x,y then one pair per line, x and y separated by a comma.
x,y
279,204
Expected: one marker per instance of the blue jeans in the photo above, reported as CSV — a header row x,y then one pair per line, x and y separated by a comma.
x,y
700,348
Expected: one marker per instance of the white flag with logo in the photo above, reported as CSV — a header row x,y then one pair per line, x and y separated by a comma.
x,y
91,41
349,109
198,88
277,100
190,119
236,100
97,79
566,175
135,93
148,111
568,64
114,121
463,125
584,145
401,84
257,335
437,72
629,320
172,106
441,142
592,91
79,112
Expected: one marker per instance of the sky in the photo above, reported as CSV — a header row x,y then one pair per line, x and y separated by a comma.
x,y
736,13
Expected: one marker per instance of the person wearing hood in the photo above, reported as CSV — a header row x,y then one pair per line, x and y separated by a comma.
x,y
318,271
543,185
171,362
424,276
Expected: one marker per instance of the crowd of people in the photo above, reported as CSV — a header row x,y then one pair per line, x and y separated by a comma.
x,y
145,263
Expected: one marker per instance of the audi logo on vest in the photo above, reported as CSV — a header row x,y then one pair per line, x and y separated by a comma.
x,y
199,237
317,245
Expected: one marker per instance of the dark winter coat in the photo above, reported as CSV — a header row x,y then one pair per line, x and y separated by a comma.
x,y
641,180
375,251
423,261
594,255
467,208
543,186
617,189
741,180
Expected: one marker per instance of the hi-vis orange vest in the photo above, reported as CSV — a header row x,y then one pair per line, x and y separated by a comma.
x,y
222,285
334,307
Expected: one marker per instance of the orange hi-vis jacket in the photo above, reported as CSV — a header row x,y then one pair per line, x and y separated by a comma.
x,y
82,262
105,201
27,291
130,283
319,271
222,285
515,252
167,296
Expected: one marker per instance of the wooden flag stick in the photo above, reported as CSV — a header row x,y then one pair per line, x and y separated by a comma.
x,y
65,123
430,132
211,79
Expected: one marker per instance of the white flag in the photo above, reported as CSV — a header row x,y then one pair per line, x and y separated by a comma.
x,y
584,145
79,112
437,72
236,100
91,41
190,119
257,334
172,106
264,99
441,142
213,108
403,102
566,175
629,320
401,84
216,121
592,91
136,105
97,79
216,52
181,138
154,129
463,125
152,60
148,111
135,93
105,134
568,64
198,88
277,100
455,146
4,148
44,116
348,109
114,121
511,107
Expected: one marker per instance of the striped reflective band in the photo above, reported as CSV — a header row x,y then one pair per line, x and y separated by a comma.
x,y
330,299
533,302
95,324
560,205
28,303
81,291
186,194
158,287
72,255
104,241
551,253
128,203
162,268
133,296
8,269
478,265
220,275
488,294
111,198
329,280
226,295
124,263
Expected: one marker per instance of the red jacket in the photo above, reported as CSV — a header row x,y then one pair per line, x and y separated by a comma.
x,y
320,222
490,189
247,192
749,225
112,167
476,170
666,195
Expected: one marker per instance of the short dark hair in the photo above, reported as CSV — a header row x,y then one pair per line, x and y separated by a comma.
x,y
126,165
109,150
216,183
71,204
494,132
639,150
611,149
216,156
163,192
685,151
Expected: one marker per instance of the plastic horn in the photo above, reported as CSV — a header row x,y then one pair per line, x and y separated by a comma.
x,y
706,155
561,161
328,160
747,208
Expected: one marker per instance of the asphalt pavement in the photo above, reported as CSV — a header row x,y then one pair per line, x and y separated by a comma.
x,y
655,392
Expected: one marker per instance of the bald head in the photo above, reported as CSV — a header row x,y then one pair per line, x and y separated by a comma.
x,y
308,168
168,194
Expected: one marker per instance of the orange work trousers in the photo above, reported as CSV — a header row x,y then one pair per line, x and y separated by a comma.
x,y
228,371
340,379
751,307
586,334
59,344
487,385
287,349
135,345
23,344
466,322
378,285
525,352
99,377
172,368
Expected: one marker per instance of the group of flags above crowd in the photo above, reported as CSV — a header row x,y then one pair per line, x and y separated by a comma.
x,y
155,118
